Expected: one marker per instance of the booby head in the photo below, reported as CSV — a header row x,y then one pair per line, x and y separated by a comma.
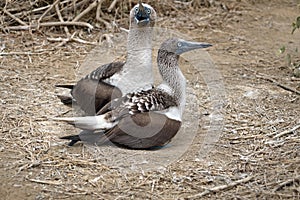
x,y
142,15
179,46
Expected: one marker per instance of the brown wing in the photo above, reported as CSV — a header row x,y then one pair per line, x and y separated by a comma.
x,y
144,131
91,95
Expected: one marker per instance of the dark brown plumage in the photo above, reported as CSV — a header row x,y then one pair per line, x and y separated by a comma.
x,y
91,93
152,130
143,119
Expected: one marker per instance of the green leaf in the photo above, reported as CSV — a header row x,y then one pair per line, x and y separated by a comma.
x,y
296,25
282,49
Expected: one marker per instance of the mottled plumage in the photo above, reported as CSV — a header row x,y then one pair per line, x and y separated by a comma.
x,y
105,71
139,102
144,119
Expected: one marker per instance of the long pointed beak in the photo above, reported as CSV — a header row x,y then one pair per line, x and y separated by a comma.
x,y
141,7
188,46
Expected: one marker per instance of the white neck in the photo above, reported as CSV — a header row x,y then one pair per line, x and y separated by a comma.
x,y
137,71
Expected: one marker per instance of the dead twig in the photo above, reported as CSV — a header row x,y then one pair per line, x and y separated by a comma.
x,y
61,19
40,79
34,10
266,77
50,8
35,26
22,53
64,41
124,29
87,10
287,182
14,17
98,13
184,14
283,86
112,5
69,39
84,41
287,131
222,187
46,182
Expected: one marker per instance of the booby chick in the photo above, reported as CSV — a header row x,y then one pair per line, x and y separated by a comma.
x,y
144,119
112,80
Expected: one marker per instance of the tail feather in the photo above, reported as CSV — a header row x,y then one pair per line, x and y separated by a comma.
x,y
67,100
91,123
91,137
65,86
74,139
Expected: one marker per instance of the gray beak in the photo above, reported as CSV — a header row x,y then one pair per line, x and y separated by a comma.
x,y
141,7
185,46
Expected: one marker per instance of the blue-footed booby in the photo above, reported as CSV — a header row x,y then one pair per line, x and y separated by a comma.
x,y
147,118
112,80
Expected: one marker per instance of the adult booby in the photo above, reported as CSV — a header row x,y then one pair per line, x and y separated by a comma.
x,y
112,80
144,119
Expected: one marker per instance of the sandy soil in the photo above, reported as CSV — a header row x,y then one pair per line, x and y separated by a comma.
x,y
256,156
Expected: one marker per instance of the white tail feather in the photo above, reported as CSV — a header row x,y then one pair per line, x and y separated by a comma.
x,y
88,123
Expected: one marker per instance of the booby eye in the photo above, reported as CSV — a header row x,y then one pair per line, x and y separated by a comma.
x,y
148,10
179,44
136,10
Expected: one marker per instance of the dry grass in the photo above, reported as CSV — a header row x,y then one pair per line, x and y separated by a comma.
x,y
257,155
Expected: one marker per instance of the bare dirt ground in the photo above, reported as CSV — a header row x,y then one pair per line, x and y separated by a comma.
x,y
256,157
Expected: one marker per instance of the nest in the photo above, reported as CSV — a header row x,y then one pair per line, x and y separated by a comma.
x,y
34,15
69,20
